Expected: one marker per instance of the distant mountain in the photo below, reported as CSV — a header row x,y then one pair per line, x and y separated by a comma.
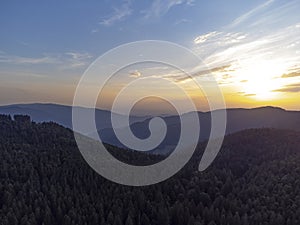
x,y
61,114
237,120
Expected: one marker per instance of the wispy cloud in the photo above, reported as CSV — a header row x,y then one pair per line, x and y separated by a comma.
x,y
293,74
274,44
203,38
78,59
4,58
95,30
292,88
29,75
182,77
243,47
249,95
249,14
182,21
218,42
119,14
161,7
68,60
263,45
135,74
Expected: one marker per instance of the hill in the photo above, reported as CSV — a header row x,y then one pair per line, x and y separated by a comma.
x,y
237,120
61,114
44,180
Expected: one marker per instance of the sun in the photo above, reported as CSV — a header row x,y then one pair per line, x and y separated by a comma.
x,y
260,80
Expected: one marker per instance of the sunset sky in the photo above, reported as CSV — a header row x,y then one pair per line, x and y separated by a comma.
x,y
252,48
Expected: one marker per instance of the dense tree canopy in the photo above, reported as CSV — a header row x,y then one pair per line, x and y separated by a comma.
x,y
44,180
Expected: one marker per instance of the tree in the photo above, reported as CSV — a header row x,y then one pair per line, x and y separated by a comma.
x,y
145,220
129,221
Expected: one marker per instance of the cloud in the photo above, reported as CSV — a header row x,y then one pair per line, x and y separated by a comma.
x,y
96,30
4,58
118,15
182,21
211,46
78,59
203,38
292,88
249,95
66,60
249,14
244,50
292,74
182,77
135,74
161,7
281,12
21,74
270,48
78,55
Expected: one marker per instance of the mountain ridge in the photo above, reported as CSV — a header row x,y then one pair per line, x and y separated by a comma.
x,y
237,119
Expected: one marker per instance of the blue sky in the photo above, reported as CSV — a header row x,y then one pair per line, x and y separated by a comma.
x,y
38,28
45,46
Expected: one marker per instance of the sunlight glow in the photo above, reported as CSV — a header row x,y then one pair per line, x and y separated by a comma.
x,y
261,78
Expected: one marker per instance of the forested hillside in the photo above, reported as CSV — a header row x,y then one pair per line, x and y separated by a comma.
x,y
44,180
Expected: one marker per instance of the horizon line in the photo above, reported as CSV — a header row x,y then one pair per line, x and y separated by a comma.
x,y
156,114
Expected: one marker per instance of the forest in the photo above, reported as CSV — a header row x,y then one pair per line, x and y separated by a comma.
x,y
45,181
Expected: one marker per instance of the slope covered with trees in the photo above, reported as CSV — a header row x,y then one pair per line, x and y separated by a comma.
x,y
44,180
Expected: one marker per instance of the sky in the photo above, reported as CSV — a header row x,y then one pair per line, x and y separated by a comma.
x,y
251,48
